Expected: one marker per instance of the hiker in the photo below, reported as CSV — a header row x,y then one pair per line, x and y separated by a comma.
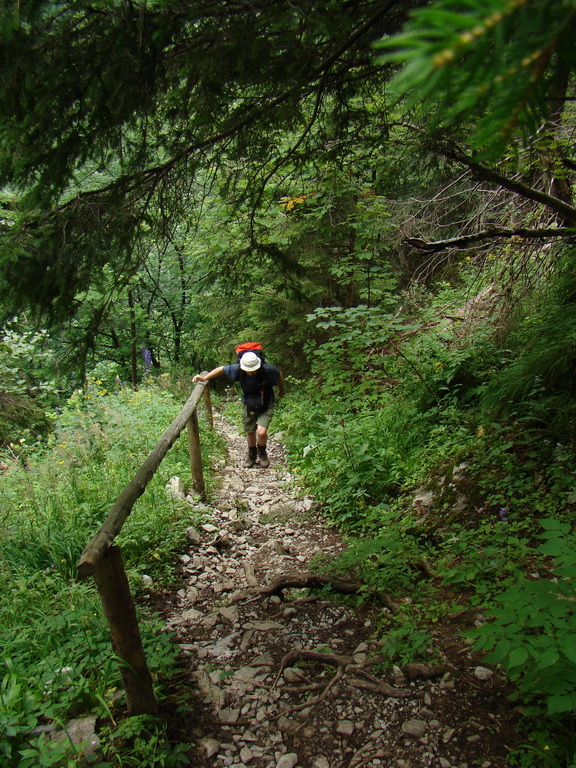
x,y
257,379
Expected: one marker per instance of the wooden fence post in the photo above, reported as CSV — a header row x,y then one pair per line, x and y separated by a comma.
x,y
208,406
120,612
102,559
195,455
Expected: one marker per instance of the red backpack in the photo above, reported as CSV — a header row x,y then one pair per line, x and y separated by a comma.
x,y
250,346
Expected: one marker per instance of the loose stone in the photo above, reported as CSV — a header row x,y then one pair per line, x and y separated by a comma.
x,y
287,761
211,747
345,727
415,728
482,673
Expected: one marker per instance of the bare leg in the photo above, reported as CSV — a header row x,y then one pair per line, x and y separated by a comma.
x,y
262,435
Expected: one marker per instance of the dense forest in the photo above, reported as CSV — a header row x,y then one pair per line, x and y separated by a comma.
x,y
380,192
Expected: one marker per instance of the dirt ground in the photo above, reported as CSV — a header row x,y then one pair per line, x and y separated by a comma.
x,y
282,675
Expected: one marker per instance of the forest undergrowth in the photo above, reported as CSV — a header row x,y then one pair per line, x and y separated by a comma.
x,y
443,445
382,195
438,439
57,660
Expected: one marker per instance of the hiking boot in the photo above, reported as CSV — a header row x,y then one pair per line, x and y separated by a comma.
x,y
263,456
250,459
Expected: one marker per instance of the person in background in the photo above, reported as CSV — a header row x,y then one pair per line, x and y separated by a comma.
x,y
257,379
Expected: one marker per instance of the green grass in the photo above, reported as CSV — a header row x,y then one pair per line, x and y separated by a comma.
x,y
57,661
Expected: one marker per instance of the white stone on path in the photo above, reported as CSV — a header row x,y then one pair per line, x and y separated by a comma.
x,y
415,728
287,761
482,673
345,727
211,747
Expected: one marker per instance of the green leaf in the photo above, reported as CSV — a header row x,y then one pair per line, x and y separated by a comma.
x,y
568,648
552,524
553,548
547,659
558,704
517,657
500,652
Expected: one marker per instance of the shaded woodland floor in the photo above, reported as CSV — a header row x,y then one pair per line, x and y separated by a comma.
x,y
283,675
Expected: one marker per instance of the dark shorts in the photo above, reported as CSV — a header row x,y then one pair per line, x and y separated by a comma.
x,y
253,420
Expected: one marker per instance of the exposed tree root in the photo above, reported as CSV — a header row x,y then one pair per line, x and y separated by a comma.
x,y
363,756
377,686
343,664
463,614
300,601
332,659
317,581
326,689
303,688
310,581
423,671
381,688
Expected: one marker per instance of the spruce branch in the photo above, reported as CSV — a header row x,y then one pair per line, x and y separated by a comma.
x,y
489,234
153,175
481,171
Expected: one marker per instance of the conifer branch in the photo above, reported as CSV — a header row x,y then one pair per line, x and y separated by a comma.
x,y
489,234
152,176
568,212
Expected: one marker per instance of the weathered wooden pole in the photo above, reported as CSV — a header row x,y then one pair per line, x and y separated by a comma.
x,y
208,406
196,455
120,612
102,559
112,526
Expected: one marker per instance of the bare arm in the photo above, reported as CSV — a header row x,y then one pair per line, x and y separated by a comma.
x,y
211,375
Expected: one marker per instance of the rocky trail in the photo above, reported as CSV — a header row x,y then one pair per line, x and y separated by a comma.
x,y
291,676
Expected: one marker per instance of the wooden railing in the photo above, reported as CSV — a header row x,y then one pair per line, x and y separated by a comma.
x,y
103,560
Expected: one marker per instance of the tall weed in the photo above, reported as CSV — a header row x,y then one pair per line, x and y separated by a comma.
x,y
355,462
57,660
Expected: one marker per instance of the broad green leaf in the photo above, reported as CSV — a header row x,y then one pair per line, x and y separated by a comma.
x,y
547,659
568,647
517,657
553,524
558,704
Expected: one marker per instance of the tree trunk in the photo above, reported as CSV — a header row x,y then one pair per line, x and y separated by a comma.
x,y
133,349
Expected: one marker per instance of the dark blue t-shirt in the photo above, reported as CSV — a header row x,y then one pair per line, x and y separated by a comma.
x,y
266,378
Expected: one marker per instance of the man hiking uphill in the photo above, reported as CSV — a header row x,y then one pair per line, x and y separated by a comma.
x,y
257,379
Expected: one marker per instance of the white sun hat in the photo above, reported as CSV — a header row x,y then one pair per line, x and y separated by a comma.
x,y
250,362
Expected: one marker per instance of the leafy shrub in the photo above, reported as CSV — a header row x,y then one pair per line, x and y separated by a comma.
x,y
405,644
537,388
532,628
27,382
524,471
141,740
352,464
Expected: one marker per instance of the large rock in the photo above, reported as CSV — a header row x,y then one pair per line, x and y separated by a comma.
x,y
175,488
80,731
416,728
287,761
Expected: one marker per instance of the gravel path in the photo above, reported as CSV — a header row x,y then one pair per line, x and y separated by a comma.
x,y
271,695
